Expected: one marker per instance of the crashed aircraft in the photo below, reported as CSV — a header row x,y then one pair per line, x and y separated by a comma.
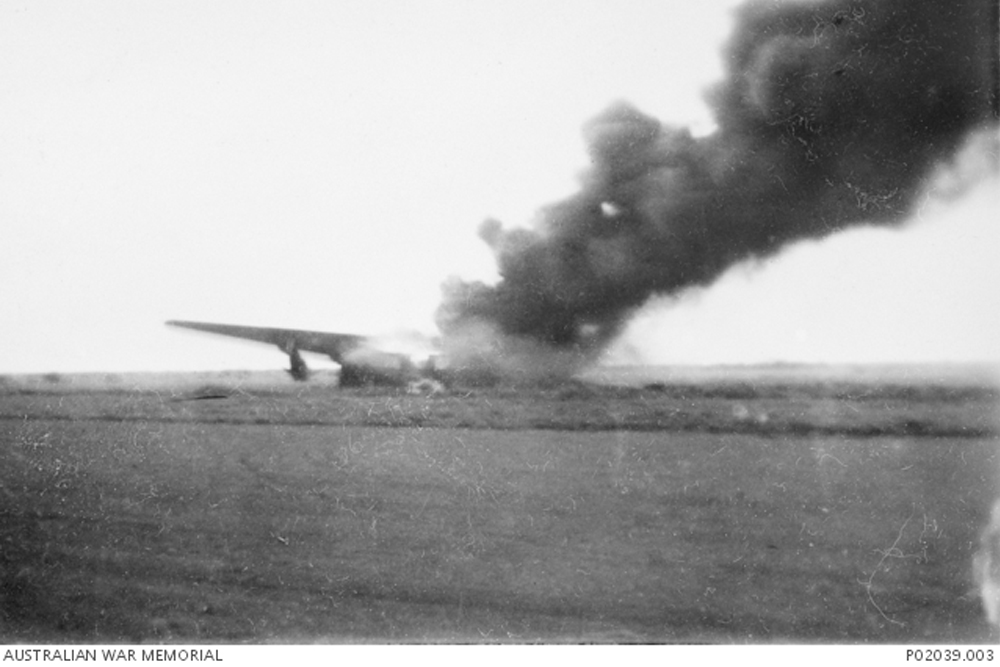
x,y
364,360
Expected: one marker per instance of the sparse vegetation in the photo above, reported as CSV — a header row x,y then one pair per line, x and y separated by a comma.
x,y
763,409
681,512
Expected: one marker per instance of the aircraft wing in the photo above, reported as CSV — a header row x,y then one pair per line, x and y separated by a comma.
x,y
334,345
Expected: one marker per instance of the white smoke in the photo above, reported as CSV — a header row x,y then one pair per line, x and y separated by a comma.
x,y
986,567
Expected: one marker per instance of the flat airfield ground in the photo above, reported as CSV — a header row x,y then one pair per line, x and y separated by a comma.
x,y
756,506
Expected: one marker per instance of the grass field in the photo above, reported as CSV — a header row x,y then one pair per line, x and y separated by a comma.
x,y
801,509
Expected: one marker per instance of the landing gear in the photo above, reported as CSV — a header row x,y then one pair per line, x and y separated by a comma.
x,y
299,371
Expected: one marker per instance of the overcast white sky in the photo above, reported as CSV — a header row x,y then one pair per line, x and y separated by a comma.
x,y
325,166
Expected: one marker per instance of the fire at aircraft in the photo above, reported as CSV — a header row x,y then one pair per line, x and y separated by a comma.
x,y
830,115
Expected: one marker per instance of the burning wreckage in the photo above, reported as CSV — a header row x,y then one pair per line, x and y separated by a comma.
x,y
395,360
830,115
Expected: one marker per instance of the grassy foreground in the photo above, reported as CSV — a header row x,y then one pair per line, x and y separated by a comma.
x,y
740,513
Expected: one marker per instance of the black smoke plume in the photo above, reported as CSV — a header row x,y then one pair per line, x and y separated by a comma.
x,y
831,114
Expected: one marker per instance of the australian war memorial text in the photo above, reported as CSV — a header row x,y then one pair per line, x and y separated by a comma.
x,y
110,655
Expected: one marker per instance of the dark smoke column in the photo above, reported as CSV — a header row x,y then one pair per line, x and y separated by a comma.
x,y
832,114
